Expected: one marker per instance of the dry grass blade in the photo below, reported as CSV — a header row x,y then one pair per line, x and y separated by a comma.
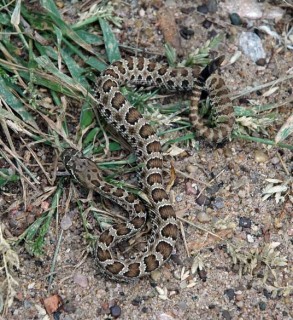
x,y
8,284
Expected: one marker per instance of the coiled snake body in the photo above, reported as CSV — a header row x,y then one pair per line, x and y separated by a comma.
x,y
143,139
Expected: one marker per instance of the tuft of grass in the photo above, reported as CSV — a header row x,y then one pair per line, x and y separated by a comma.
x,y
266,257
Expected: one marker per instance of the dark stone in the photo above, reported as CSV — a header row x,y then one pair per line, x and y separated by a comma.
x,y
39,263
226,315
201,200
230,293
186,33
243,100
266,293
144,309
212,6
212,34
235,19
258,92
261,62
115,311
187,10
203,9
56,315
136,301
244,222
203,275
214,188
219,203
207,24
69,307
262,305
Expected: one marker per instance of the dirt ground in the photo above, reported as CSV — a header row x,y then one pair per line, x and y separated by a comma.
x,y
231,178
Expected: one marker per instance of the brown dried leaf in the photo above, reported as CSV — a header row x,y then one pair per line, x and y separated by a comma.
x,y
52,303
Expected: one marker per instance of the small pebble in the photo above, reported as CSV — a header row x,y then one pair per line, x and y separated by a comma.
x,y
69,307
251,46
60,4
203,217
230,293
186,33
179,198
266,293
191,168
182,305
219,203
201,200
212,34
250,238
214,188
141,13
80,279
275,160
246,9
261,62
278,224
202,275
242,194
207,24
202,9
191,189
244,222
66,222
136,301
238,296
115,311
235,19
144,309
212,6
187,10
262,305
226,315
260,156
156,275
240,304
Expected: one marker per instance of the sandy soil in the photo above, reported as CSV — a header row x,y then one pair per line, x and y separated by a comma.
x,y
231,178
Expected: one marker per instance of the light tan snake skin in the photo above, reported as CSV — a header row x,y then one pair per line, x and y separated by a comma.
x,y
142,137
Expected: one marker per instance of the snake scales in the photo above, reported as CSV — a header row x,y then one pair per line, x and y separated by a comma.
x,y
119,113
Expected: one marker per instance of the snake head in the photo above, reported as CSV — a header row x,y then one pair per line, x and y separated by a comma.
x,y
69,154
82,169
68,157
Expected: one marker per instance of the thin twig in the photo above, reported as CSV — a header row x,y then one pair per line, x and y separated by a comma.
x,y
184,239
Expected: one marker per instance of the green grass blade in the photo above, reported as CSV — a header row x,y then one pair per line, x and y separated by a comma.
x,y
50,6
111,44
15,103
6,176
75,70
